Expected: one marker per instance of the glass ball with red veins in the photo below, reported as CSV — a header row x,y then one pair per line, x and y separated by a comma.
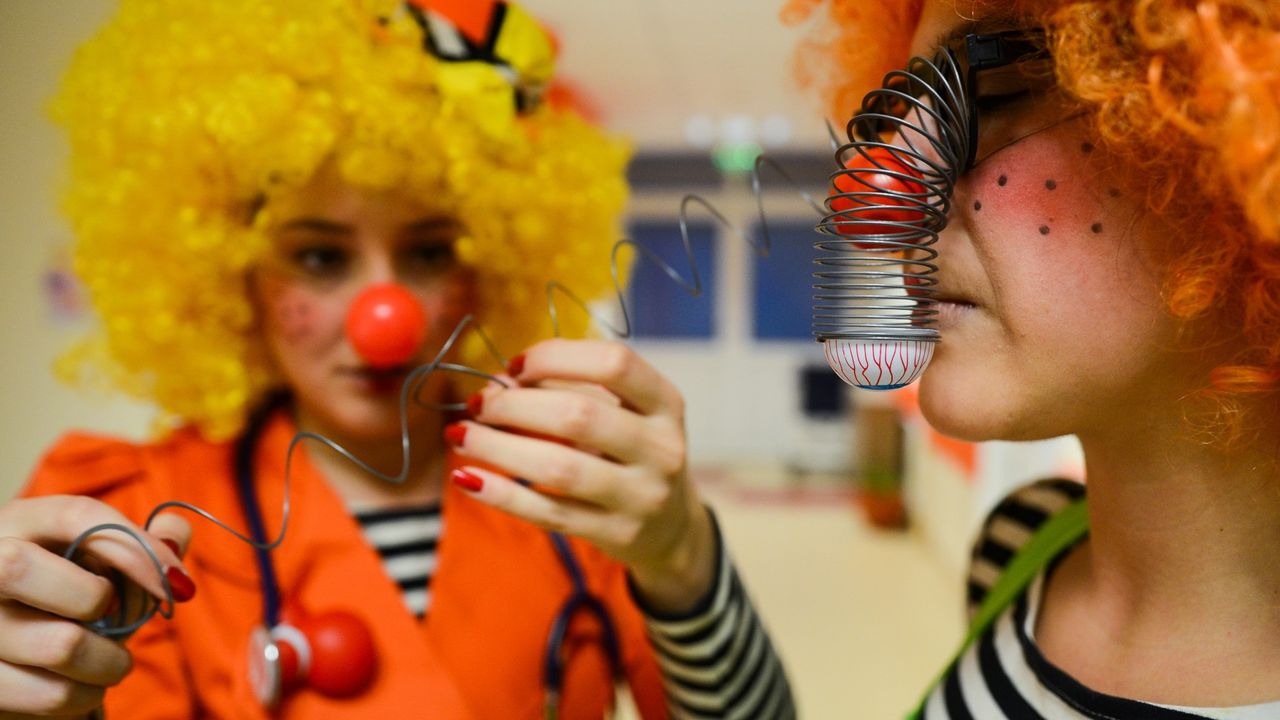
x,y
386,325
878,364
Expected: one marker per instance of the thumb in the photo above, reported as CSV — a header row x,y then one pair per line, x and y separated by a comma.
x,y
170,527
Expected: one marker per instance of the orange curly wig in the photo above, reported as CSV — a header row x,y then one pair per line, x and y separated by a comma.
x,y
1187,91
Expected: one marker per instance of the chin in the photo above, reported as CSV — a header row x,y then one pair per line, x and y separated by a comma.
x,y
968,408
365,418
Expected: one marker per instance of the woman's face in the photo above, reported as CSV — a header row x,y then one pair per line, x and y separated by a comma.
x,y
1052,320
329,242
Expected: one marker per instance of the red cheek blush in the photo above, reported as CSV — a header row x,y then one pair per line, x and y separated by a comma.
x,y
294,317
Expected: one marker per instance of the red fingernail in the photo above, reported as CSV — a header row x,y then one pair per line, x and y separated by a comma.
x,y
467,481
475,404
173,545
456,434
516,366
182,586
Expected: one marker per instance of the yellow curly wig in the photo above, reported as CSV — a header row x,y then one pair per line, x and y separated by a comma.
x,y
1186,93
182,115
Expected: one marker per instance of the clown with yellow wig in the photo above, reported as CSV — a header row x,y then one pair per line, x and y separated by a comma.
x,y
1090,196
284,210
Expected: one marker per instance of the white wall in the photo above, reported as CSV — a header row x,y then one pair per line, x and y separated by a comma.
x,y
36,41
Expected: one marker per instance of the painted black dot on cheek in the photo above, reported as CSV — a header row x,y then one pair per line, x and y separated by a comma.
x,y
1086,148
1002,180
1050,184
1096,227
977,205
1113,192
1044,229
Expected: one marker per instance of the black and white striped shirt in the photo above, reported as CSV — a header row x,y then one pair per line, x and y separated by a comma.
x,y
717,660
1003,674
407,539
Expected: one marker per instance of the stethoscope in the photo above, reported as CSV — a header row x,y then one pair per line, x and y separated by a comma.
x,y
290,654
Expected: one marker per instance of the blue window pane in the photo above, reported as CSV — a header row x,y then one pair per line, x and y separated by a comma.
x,y
659,306
782,284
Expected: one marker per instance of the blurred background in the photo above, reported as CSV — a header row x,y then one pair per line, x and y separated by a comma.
x,y
850,518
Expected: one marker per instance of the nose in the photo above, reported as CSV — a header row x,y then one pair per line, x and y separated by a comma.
x,y
386,325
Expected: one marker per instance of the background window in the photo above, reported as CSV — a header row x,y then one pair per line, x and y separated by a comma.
x,y
782,284
660,308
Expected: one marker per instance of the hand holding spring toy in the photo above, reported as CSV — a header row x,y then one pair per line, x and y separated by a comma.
x,y
619,478
67,668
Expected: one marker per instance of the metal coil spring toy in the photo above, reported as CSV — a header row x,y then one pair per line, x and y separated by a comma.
x,y
912,139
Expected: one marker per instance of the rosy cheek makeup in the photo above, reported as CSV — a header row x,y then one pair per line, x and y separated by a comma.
x,y
296,316
1034,190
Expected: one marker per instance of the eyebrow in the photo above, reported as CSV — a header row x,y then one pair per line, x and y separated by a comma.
x,y
323,226
316,225
433,225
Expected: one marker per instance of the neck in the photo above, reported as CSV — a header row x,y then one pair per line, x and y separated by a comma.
x,y
1182,532
358,487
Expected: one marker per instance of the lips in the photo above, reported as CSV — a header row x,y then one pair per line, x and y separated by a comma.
x,y
378,380
943,294
366,371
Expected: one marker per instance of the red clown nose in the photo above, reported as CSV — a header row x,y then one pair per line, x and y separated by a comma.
x,y
879,171
386,325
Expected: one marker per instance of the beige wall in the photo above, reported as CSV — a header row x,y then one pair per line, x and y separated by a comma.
x,y
36,41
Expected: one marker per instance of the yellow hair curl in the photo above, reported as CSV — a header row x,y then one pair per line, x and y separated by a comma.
x,y
181,115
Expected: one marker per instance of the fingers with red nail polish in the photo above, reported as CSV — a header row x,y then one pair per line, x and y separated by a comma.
x,y
467,480
516,366
183,587
456,434
54,597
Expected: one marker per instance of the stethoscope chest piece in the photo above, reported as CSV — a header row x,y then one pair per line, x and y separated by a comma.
x,y
265,674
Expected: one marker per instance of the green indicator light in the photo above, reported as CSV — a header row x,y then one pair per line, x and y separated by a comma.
x,y
736,158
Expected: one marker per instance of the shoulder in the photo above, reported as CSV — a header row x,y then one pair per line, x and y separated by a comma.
x,y
104,466
1010,525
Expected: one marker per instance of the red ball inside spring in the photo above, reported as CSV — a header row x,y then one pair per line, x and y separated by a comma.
x,y
881,194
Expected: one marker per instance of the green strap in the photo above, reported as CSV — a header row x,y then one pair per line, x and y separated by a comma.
x,y
1059,532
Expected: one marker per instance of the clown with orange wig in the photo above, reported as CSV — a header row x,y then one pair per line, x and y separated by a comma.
x,y
1106,179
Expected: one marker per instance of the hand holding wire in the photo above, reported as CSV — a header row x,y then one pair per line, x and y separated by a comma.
x,y
596,436
52,662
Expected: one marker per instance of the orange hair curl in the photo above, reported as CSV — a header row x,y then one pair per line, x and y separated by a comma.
x,y
1187,91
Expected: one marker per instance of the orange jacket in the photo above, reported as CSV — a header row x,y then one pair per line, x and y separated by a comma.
x,y
478,654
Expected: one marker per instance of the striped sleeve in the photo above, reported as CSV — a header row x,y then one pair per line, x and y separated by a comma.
x,y
1009,526
717,660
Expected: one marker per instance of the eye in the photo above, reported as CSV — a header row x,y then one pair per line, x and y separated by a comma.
x,y
993,105
321,260
430,255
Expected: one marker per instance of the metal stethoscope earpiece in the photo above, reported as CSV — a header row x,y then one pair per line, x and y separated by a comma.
x,y
874,309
